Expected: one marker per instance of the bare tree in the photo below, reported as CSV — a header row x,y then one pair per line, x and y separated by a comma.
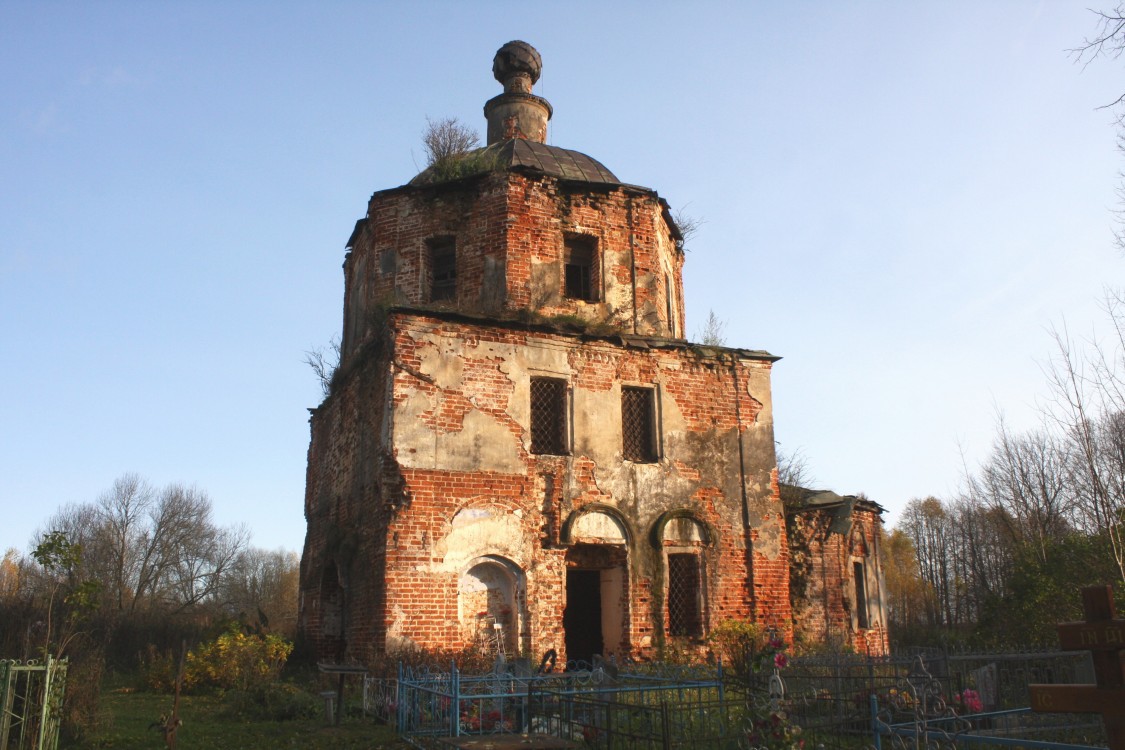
x,y
149,548
1027,481
793,469
184,552
447,139
1108,41
927,523
324,364
263,584
1088,388
122,512
687,224
451,151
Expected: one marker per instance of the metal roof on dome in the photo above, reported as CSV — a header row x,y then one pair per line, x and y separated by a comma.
x,y
555,161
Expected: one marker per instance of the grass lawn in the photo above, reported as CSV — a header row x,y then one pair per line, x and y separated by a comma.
x,y
126,716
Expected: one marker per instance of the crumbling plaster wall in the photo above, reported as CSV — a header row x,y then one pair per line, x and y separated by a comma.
x,y
420,468
461,437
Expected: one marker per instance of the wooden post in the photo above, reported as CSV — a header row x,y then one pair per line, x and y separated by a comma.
x,y
1103,635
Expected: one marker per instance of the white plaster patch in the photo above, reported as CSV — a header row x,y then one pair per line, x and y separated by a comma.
x,y
482,444
467,516
758,387
495,533
413,439
597,425
684,531
443,366
602,442
601,527
522,362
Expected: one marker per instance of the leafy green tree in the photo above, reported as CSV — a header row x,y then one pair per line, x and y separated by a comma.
x,y
1040,593
60,560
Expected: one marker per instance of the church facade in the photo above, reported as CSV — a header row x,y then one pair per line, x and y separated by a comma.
x,y
520,449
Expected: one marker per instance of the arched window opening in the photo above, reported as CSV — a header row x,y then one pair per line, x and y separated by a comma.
x,y
490,603
685,595
683,540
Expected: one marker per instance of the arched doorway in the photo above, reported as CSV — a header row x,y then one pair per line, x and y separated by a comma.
x,y
596,615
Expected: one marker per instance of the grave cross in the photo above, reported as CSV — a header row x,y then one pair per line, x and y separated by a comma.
x,y
1103,636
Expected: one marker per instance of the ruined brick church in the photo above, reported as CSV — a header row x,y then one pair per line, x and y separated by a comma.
x,y
520,449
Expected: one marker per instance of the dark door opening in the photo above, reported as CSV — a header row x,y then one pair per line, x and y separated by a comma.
x,y
582,619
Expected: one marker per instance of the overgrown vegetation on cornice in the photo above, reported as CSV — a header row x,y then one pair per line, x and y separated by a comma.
x,y
459,166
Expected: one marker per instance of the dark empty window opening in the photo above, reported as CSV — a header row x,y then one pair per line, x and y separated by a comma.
x,y
668,305
579,265
443,269
582,617
548,416
638,425
860,596
685,595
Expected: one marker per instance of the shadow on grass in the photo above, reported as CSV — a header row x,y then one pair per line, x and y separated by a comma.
x,y
125,718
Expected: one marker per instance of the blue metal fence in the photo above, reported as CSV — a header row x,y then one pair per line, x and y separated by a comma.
x,y
838,705
432,705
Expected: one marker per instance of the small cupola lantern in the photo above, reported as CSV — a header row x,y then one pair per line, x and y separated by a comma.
x,y
517,113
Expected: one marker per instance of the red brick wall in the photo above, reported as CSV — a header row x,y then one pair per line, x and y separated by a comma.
x,y
824,582
385,521
419,464
510,230
350,483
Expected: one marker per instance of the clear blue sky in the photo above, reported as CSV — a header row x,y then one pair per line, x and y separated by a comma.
x,y
899,199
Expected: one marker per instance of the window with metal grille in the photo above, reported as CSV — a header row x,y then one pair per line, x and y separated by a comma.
x,y
685,595
860,595
443,269
579,261
638,424
548,416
